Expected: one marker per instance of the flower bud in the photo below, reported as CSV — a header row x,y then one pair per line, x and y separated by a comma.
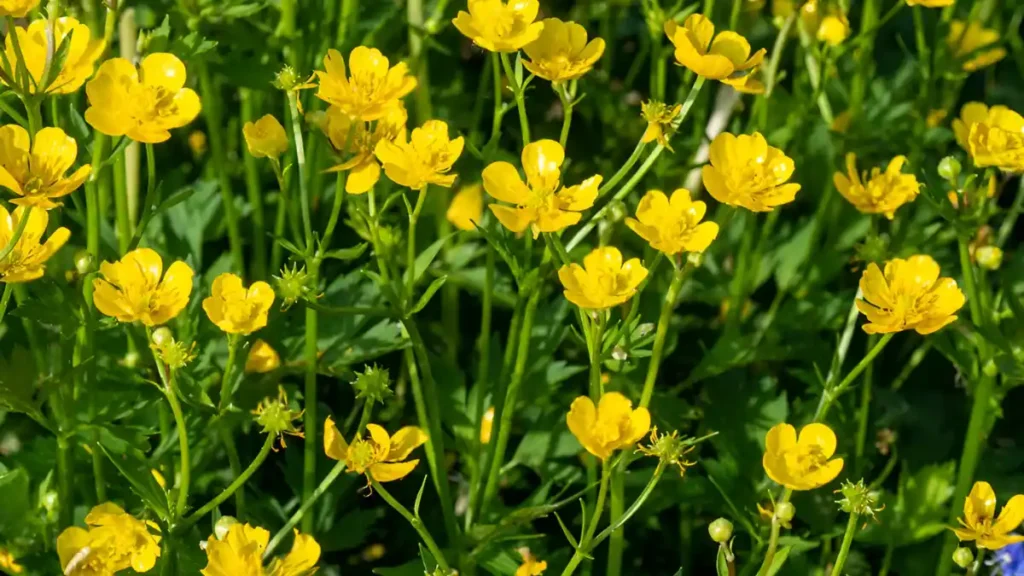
x,y
720,530
963,557
83,262
785,511
293,284
373,383
286,79
989,257
162,337
858,499
949,168
220,529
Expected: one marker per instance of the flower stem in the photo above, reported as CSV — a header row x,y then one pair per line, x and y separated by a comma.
x,y
617,543
300,514
519,93
226,379
567,107
667,306
597,335
186,469
252,187
619,522
281,218
844,549
150,199
414,218
5,299
498,114
224,430
416,523
65,514
585,544
339,201
92,206
300,159
830,393
773,540
864,413
234,487
310,422
19,230
483,376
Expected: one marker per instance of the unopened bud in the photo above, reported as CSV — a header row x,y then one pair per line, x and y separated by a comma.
x,y
963,557
83,262
221,528
286,79
785,511
989,257
949,168
720,530
162,337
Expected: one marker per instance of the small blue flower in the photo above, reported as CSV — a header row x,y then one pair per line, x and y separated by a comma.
x,y
1010,560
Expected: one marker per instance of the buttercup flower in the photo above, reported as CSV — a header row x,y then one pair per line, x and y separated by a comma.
x,y
909,296
749,84
981,524
611,426
801,463
350,136
745,171
235,309
487,426
79,557
965,39
425,159
7,562
930,3
562,52
262,358
240,552
132,289
530,566
467,207
603,281
659,117
500,26
381,457
543,204
27,261
727,54
882,192
115,541
370,90
265,137
78,64
142,104
673,225
36,173
17,8
992,136
828,24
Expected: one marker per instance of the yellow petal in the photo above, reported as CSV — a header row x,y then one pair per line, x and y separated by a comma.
x,y
1011,516
639,425
388,472
380,437
781,437
823,475
334,444
405,441
163,70
614,407
514,219
502,182
541,162
980,503
581,418
820,435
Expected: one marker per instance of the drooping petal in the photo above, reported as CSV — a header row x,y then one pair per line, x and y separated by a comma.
x,y
405,441
389,472
334,443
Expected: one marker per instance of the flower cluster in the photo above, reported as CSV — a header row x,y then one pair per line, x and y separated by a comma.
x,y
115,541
240,551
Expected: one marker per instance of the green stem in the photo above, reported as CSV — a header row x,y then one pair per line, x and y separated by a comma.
x,y
252,187
300,158
149,202
844,549
519,93
186,468
98,476
567,107
414,217
65,514
281,218
613,528
339,201
226,380
773,540
218,151
498,114
597,327
887,560
300,514
617,543
623,170
310,422
234,487
973,296
585,543
483,376
829,395
124,226
5,299
664,319
416,523
864,413
414,16
864,60
235,463
92,207
19,230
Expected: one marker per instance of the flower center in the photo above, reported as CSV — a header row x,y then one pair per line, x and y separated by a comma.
x,y
154,103
361,455
805,460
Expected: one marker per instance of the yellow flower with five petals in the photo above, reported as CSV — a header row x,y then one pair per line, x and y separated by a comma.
x,y
541,203
562,52
370,86
980,523
908,296
612,425
27,259
500,26
603,281
967,43
240,552
143,104
745,171
17,8
673,225
466,208
79,62
880,192
265,138
992,136
425,159
801,462
115,541
135,289
348,136
36,173
235,309
715,57
262,358
381,456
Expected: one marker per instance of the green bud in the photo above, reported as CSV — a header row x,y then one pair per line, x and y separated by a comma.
x,y
785,511
949,168
989,257
162,336
373,383
720,530
276,416
220,529
83,262
294,284
286,79
963,557
858,499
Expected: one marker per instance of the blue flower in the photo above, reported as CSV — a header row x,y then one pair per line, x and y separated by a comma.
x,y
1010,559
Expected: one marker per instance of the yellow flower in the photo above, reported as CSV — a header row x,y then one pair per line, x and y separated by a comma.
x,y
348,136
935,117
543,204
240,553
498,26
992,136
36,174
611,426
728,54
27,261
142,104
371,89
487,426
381,457
17,8
7,562
748,84
841,123
659,117
197,143
262,358
115,541
425,159
530,566
235,309
967,39
562,52
980,522
673,225
132,290
909,296
801,463
828,25
265,137
930,3
745,171
467,207
603,281
79,63
882,192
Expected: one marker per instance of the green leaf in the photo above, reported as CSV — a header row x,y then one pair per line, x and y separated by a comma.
x,y
141,479
721,563
780,558
565,530
345,254
14,490
428,294
426,258
191,392
175,199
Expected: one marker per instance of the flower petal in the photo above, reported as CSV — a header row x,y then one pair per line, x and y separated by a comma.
x,y
334,444
389,472
405,441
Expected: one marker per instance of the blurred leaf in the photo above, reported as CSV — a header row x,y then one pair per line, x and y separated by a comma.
x,y
345,254
428,294
14,493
